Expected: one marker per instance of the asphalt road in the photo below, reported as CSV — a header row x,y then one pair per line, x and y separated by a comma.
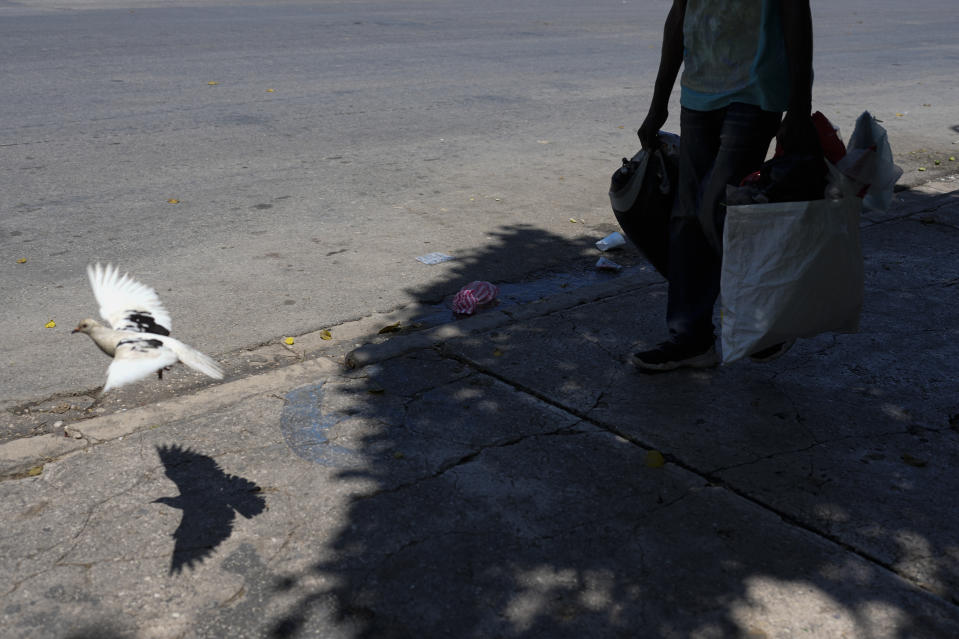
x,y
314,149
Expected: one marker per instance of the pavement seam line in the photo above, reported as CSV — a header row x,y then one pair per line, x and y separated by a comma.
x,y
940,200
707,476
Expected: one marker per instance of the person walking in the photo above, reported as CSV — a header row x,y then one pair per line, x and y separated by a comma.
x,y
744,62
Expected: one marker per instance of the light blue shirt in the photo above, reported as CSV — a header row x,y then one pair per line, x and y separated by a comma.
x,y
734,52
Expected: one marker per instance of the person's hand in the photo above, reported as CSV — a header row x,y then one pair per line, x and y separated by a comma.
x,y
797,134
649,131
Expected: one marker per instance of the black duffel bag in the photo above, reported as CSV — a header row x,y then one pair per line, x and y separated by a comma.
x,y
642,192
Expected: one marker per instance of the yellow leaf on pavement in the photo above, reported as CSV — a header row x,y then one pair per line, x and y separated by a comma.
x,y
392,328
325,334
22,260
50,324
655,459
288,341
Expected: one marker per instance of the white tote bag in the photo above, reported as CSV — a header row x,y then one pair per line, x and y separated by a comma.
x,y
790,269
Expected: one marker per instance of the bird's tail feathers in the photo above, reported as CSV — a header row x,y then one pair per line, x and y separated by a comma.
x,y
195,359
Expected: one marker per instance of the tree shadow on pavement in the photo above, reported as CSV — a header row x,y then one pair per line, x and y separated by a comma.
x,y
522,248
509,491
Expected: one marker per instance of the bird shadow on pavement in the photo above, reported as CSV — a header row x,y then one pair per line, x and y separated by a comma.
x,y
209,499
514,493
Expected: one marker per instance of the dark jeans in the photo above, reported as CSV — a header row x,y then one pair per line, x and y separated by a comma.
x,y
716,148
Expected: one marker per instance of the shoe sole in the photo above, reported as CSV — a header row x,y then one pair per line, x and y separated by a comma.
x,y
782,351
709,359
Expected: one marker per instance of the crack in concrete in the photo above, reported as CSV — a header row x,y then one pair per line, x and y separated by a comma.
x,y
939,202
828,442
708,476
368,574
466,459
919,287
19,582
90,511
665,505
290,534
599,400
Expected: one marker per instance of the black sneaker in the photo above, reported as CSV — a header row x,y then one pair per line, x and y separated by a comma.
x,y
770,353
672,355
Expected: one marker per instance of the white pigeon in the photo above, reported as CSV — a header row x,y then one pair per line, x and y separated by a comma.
x,y
138,338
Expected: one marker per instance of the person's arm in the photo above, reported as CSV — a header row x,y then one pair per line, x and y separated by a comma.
x,y
797,133
671,59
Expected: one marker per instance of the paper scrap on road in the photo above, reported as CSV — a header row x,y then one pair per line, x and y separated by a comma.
x,y
605,264
434,258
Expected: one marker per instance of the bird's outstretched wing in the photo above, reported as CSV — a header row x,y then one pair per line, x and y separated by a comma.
x,y
203,527
127,304
136,358
243,496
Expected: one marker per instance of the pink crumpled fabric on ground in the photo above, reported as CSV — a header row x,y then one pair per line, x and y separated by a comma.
x,y
472,295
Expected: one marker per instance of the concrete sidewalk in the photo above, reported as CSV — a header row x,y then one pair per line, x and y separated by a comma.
x,y
503,477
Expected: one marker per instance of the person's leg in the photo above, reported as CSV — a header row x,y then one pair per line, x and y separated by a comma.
x,y
689,304
691,260
717,148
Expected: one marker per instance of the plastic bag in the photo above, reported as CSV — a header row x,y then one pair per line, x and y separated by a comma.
x,y
790,269
868,162
642,192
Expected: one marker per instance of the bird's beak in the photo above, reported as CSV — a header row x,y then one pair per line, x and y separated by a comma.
x,y
76,330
